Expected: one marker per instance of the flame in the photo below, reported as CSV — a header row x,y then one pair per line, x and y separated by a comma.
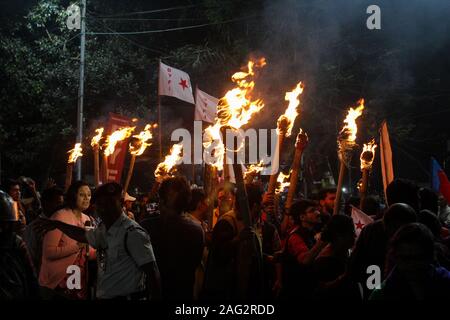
x,y
75,153
283,181
286,121
235,109
96,139
254,169
143,138
116,136
347,136
368,155
164,169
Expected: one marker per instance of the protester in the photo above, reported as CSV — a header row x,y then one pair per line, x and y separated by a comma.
x,y
370,205
59,251
326,198
52,199
371,246
339,232
30,198
415,275
127,269
17,277
300,251
225,202
234,269
403,191
128,205
432,222
197,212
177,240
12,187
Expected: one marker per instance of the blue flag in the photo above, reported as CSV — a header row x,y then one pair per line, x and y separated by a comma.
x,y
435,168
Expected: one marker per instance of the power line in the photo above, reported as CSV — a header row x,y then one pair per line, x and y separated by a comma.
x,y
148,19
148,11
170,29
134,42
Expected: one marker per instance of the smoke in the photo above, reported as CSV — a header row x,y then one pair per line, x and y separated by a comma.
x,y
327,45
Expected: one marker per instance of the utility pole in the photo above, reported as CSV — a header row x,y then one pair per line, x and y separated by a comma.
x,y
81,87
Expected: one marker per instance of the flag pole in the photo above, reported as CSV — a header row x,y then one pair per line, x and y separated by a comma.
x,y
159,114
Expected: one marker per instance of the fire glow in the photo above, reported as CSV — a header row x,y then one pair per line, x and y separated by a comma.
x,y
165,169
75,153
235,109
96,139
368,155
143,138
283,181
286,121
115,137
347,136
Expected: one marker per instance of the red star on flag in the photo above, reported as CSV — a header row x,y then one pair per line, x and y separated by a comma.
x,y
359,225
183,84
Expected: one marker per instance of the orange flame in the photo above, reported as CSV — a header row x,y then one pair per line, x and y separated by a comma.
x,y
283,181
142,143
368,155
254,169
286,121
165,168
347,136
116,136
75,153
235,109
96,139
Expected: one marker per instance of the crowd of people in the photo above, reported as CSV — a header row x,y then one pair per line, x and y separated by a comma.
x,y
86,244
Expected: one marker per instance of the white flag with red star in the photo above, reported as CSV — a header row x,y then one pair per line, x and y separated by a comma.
x,y
174,83
205,106
360,220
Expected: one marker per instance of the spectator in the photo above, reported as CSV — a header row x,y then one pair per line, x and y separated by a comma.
x,y
127,269
60,251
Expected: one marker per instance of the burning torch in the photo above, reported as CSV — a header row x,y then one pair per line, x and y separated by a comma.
x,y
301,143
110,146
284,126
346,143
167,168
137,149
367,157
73,156
95,146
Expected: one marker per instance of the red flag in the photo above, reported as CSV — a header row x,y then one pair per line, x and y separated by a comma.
x,y
444,187
174,83
117,159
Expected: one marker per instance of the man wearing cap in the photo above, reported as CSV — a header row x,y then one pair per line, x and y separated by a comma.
x,y
128,204
126,263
